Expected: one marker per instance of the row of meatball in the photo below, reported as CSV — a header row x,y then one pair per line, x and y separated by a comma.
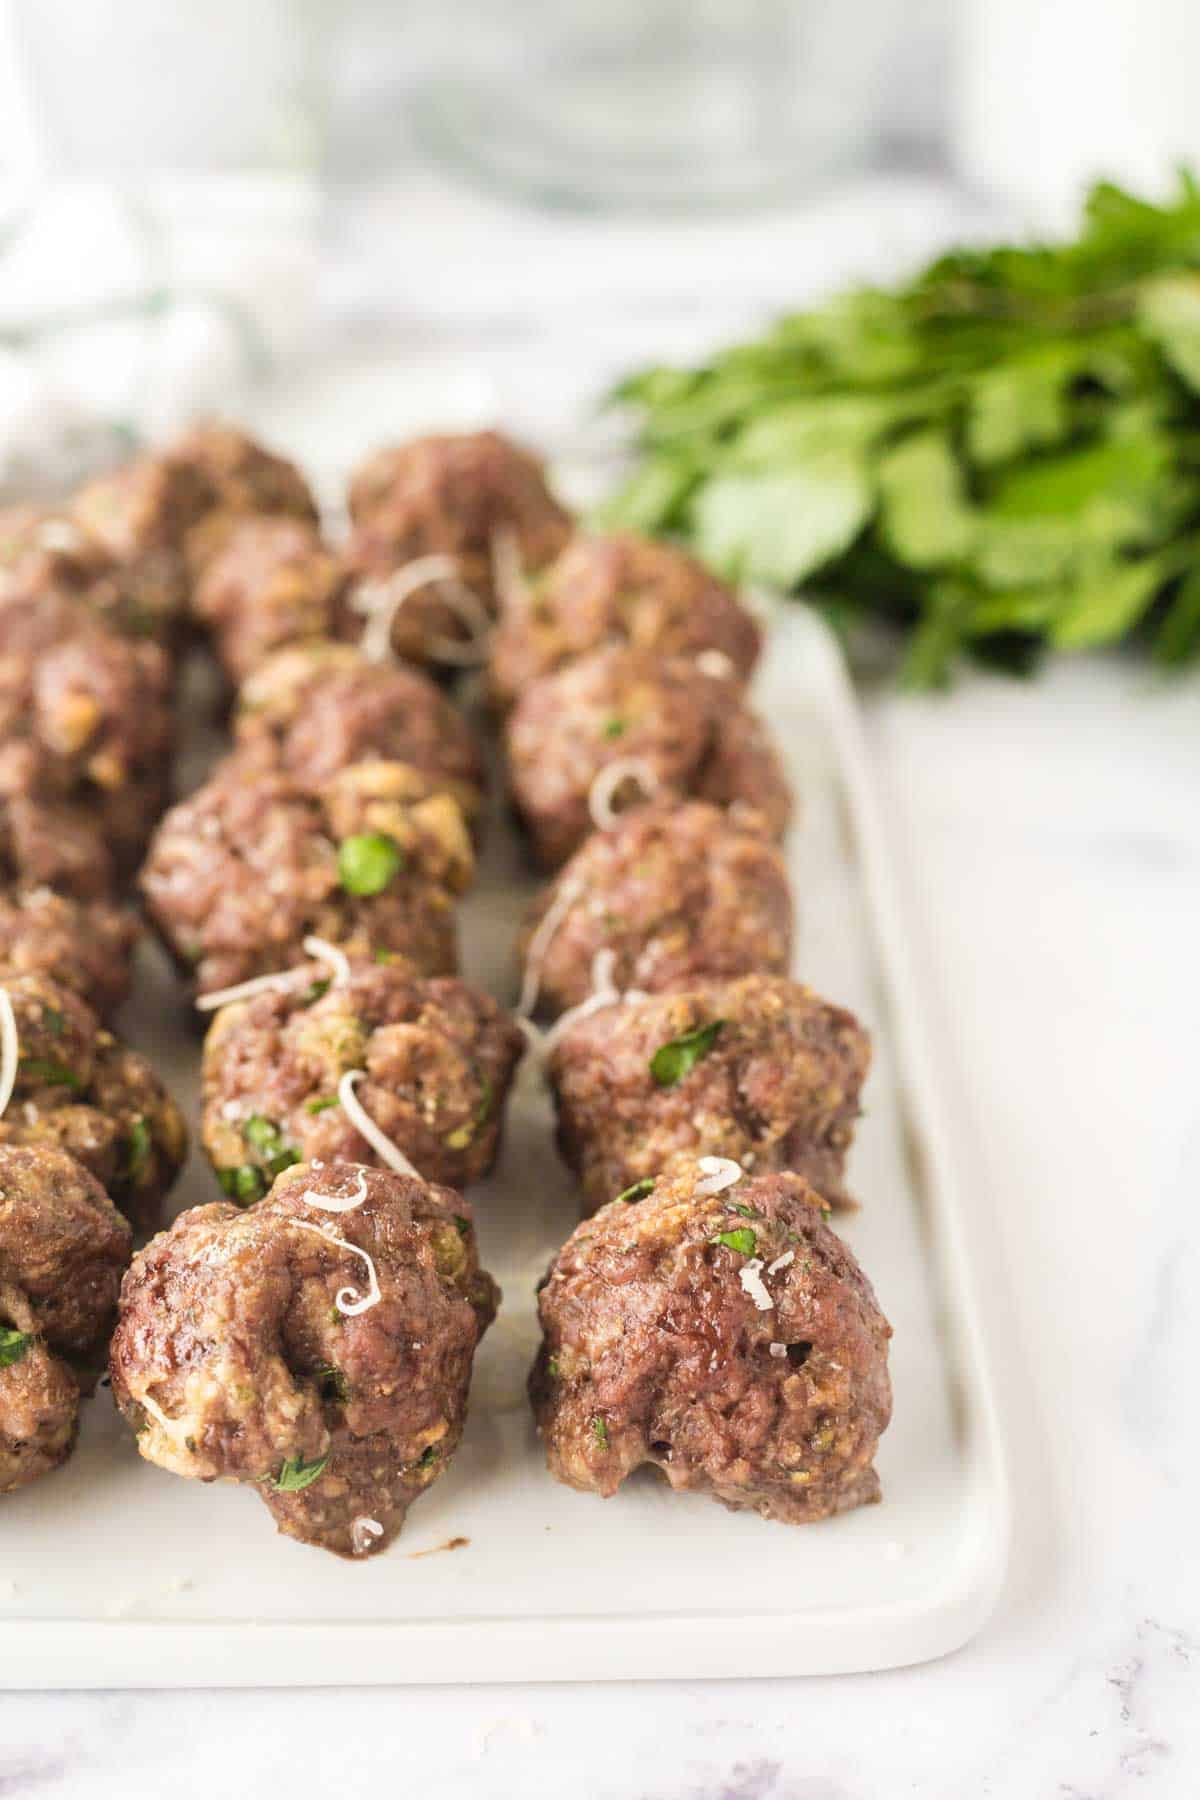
x,y
278,1065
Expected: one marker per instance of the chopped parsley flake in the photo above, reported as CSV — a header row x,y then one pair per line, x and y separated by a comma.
x,y
13,1345
600,1431
637,1190
464,1134
296,1474
673,1060
614,728
321,1105
265,1137
742,1239
49,1073
138,1146
747,1212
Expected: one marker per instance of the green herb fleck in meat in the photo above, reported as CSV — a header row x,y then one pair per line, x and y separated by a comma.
x,y
332,1383
673,1060
465,1134
296,1474
244,1184
321,1105
13,1345
428,1457
138,1146
464,1225
368,862
615,728
317,990
50,1073
742,1239
637,1190
747,1212
265,1137
54,1020
600,1431
552,1367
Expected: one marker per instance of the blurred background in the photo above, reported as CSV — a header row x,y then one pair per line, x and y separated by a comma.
x,y
193,197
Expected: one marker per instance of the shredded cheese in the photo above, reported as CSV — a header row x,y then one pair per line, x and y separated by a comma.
x,y
569,890
781,1262
10,1050
323,951
750,1276
380,601
719,1173
365,1125
362,1532
609,779
348,1300
318,948
338,1204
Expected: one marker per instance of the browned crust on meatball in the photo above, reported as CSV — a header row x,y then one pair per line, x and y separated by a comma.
x,y
235,1357
679,893
239,874
621,589
48,561
438,1056
271,583
314,709
84,946
246,477
655,1351
691,730
449,495
776,1085
79,1089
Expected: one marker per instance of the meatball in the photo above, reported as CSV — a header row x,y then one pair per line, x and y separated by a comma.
x,y
63,1247
722,1334
97,711
255,861
271,583
47,561
84,946
317,1346
760,1070
46,841
79,1089
679,893
246,478
437,1059
449,496
314,709
673,727
142,514
623,589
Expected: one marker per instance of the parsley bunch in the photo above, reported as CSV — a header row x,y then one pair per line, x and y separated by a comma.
x,y
1002,457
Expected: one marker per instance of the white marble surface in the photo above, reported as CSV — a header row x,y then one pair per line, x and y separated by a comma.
x,y
1048,839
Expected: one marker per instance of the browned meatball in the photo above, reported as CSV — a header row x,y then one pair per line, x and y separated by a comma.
x,y
84,946
246,478
760,1070
687,732
48,560
316,708
449,496
728,1338
679,893
63,1247
622,589
243,871
142,514
80,1089
321,1355
46,841
271,583
437,1060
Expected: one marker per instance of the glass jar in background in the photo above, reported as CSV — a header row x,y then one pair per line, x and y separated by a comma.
x,y
672,104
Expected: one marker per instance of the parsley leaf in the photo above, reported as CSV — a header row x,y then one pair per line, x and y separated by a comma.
x,y
741,1239
673,1060
13,1345
638,1190
296,1474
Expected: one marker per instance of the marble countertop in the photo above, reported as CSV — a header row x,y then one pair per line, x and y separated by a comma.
x,y
1047,838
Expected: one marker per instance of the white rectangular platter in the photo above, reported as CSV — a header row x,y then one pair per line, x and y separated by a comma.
x,y
115,1574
